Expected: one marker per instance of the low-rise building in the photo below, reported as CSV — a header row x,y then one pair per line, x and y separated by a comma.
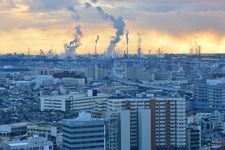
x,y
50,131
69,102
10,131
84,133
37,143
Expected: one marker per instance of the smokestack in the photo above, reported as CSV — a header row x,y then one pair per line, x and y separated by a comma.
x,y
127,39
118,24
96,42
199,50
139,45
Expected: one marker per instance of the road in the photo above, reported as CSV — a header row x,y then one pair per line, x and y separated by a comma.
x,y
129,82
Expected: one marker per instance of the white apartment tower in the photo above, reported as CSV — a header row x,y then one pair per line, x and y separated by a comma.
x,y
160,121
129,123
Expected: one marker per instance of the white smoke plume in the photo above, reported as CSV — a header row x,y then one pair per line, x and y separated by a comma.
x,y
118,24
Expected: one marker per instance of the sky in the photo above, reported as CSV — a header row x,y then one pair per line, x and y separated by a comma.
x,y
173,26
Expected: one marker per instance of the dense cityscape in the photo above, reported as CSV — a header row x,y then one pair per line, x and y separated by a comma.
x,y
112,75
125,102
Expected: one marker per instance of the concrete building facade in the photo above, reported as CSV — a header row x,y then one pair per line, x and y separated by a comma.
x,y
34,143
69,102
168,124
84,133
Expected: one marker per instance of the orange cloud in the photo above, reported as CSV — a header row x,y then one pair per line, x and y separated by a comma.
x,y
19,40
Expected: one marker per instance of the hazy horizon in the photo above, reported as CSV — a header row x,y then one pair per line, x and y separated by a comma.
x,y
174,27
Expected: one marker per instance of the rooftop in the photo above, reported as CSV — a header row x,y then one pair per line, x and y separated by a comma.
x,y
145,99
74,96
6,128
82,117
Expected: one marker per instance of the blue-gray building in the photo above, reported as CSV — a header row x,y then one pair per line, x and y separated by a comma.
x,y
84,133
209,95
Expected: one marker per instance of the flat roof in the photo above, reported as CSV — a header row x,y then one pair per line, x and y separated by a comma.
x,y
75,96
16,143
82,117
7,128
145,99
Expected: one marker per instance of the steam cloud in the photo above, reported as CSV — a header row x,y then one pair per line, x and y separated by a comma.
x,y
118,24
78,34
97,38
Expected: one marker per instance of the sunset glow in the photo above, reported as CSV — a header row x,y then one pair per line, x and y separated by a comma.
x,y
43,25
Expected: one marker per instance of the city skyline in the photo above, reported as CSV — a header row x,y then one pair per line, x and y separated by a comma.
x,y
174,27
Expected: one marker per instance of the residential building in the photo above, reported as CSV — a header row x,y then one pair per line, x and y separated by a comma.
x,y
50,131
168,123
37,143
69,102
84,133
10,131
193,137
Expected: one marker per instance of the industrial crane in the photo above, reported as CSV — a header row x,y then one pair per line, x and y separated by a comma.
x,y
42,53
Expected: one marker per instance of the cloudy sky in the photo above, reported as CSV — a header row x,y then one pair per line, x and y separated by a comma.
x,y
174,26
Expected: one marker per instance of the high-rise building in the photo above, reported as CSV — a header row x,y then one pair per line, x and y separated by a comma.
x,y
161,121
112,134
208,95
84,133
193,137
144,133
117,104
200,96
118,130
168,123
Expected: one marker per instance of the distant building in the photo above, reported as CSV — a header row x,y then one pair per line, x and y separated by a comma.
x,y
10,131
145,74
100,107
50,131
139,73
84,133
69,102
98,71
193,137
208,95
70,78
34,143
